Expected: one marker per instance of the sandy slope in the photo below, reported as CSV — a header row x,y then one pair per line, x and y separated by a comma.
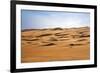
x,y
40,45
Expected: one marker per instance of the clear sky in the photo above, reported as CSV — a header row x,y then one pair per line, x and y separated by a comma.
x,y
35,19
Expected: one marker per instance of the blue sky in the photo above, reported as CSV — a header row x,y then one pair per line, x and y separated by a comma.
x,y
35,19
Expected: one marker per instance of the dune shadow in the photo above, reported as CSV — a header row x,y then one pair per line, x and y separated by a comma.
x,y
60,34
75,44
49,44
83,35
35,39
81,39
57,28
42,35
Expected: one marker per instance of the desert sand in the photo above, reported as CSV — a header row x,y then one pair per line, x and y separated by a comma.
x,y
55,44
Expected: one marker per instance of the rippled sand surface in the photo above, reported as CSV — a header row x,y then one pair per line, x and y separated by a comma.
x,y
57,44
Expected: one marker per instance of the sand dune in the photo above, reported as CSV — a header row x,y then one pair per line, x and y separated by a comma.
x,y
56,44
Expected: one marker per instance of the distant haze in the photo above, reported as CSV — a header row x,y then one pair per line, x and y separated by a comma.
x,y
35,19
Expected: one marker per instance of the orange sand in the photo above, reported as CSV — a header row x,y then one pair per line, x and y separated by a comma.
x,y
57,44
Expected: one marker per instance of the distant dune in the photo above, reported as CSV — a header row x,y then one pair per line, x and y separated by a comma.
x,y
55,44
